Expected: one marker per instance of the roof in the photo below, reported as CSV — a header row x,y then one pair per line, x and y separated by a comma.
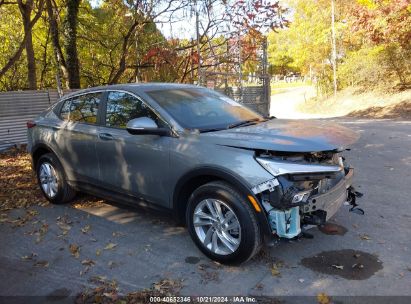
x,y
134,87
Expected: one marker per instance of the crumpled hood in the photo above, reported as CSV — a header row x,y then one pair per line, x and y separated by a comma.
x,y
286,136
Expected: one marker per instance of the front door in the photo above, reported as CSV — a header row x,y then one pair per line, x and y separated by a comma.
x,y
132,164
77,136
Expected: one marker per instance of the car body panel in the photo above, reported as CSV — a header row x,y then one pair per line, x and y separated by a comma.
x,y
287,136
77,145
136,164
190,153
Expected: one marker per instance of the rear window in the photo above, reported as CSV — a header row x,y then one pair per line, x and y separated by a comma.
x,y
83,108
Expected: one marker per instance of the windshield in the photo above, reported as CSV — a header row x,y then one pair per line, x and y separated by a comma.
x,y
203,109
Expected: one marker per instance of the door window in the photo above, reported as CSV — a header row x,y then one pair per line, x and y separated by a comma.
x,y
122,107
65,110
83,108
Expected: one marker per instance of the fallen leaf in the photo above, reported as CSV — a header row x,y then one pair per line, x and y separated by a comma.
x,y
167,286
110,246
111,264
41,232
75,250
98,252
323,298
88,262
32,212
365,237
259,286
29,257
338,266
44,264
63,226
274,271
86,229
98,279
301,280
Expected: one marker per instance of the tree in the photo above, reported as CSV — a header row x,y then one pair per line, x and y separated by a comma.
x,y
52,15
70,31
26,9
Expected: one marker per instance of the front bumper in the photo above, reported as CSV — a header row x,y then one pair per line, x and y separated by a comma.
x,y
332,200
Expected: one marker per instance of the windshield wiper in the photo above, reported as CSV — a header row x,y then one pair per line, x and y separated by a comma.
x,y
243,123
210,130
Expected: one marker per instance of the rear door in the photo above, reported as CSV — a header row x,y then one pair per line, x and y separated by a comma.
x,y
132,164
78,135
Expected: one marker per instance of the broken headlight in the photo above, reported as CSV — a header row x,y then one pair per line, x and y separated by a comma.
x,y
280,167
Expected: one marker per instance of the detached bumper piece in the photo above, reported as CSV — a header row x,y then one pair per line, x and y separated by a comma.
x,y
352,200
285,222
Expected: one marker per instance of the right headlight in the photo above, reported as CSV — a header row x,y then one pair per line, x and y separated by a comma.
x,y
276,167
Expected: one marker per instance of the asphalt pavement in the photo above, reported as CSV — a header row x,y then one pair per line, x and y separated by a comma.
x,y
137,247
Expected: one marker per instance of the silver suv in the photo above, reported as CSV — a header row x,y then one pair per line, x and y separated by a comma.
x,y
232,176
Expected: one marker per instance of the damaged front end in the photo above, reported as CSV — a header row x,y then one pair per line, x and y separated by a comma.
x,y
307,189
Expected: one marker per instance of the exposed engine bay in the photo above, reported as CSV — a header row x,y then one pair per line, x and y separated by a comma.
x,y
308,189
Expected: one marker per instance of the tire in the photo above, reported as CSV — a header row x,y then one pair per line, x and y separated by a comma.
x,y
244,240
61,192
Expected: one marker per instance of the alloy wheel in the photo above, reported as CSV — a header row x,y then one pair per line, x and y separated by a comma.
x,y
48,179
217,226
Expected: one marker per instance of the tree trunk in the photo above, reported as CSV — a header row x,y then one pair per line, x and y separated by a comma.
x,y
54,31
31,60
25,10
27,29
72,61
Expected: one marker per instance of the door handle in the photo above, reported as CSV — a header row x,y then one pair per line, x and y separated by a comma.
x,y
55,127
105,136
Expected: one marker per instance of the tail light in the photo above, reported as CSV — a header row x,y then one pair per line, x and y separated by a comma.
x,y
30,124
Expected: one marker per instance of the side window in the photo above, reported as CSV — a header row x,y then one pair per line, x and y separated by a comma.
x,y
82,108
65,110
122,107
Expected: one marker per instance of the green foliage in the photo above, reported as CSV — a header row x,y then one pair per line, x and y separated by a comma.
x,y
373,42
362,67
117,41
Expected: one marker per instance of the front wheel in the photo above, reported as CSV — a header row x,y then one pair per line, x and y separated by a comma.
x,y
222,223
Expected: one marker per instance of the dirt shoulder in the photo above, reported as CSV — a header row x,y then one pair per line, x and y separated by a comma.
x,y
354,103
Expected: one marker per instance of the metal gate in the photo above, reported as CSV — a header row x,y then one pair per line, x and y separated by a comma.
x,y
252,90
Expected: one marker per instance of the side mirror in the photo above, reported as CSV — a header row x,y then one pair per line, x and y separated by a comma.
x,y
146,126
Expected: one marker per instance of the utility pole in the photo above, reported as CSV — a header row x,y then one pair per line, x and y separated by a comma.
x,y
266,76
137,61
334,48
199,73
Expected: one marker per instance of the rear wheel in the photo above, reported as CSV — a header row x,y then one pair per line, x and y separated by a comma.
x,y
222,223
52,180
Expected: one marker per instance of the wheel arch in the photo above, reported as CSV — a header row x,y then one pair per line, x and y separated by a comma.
x,y
200,176
38,150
